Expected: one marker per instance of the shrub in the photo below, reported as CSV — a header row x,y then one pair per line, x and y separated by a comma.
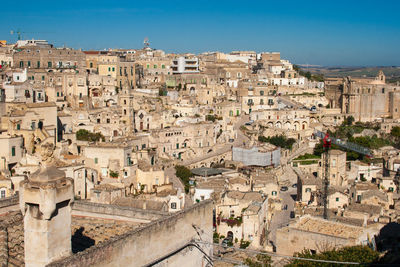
x,y
85,135
278,140
114,174
184,174
244,244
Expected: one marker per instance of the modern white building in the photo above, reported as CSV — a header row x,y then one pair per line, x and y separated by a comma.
x,y
185,65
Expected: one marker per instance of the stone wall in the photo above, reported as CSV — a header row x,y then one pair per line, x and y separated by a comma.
x,y
155,240
290,240
9,204
96,210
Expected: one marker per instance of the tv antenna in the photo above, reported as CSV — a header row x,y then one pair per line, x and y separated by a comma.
x,y
146,42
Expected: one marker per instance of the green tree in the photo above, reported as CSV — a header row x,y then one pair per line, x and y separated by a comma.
x,y
361,254
85,135
395,131
278,140
211,118
349,120
184,174
308,75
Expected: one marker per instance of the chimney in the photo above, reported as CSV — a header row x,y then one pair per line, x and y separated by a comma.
x,y
45,201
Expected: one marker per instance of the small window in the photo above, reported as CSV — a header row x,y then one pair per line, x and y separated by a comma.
x,y
173,205
96,160
2,193
337,199
13,151
155,66
274,193
308,189
163,66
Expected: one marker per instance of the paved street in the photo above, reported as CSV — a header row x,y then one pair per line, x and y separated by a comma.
x,y
282,217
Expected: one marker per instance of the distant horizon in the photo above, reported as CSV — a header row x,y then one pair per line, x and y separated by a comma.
x,y
343,33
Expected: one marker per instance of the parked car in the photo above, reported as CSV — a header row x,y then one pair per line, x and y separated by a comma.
x,y
284,188
249,122
294,185
231,140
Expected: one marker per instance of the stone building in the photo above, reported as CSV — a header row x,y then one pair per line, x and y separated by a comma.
x,y
49,58
366,99
319,235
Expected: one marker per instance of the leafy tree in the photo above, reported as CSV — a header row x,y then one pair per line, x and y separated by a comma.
x,y
278,140
85,135
349,120
260,261
361,254
184,174
395,131
210,118
114,174
308,75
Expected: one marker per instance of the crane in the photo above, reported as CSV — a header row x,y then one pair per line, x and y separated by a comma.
x,y
19,33
327,142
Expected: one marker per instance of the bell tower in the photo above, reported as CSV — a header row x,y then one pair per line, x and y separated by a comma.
x,y
381,77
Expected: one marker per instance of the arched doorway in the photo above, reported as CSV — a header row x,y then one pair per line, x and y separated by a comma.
x,y
230,235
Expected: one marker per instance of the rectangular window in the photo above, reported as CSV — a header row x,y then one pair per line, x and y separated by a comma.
x,y
163,66
29,64
42,78
96,160
13,151
177,146
3,193
113,69
38,64
21,64
155,66
148,66
173,205
49,64
18,126
337,199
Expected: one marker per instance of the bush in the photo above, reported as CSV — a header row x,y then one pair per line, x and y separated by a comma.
x,y
395,131
259,261
85,135
114,174
184,174
244,244
362,254
278,140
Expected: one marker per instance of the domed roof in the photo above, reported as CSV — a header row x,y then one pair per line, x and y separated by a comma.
x,y
47,174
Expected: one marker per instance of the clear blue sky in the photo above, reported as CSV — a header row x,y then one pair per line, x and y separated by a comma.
x,y
315,32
